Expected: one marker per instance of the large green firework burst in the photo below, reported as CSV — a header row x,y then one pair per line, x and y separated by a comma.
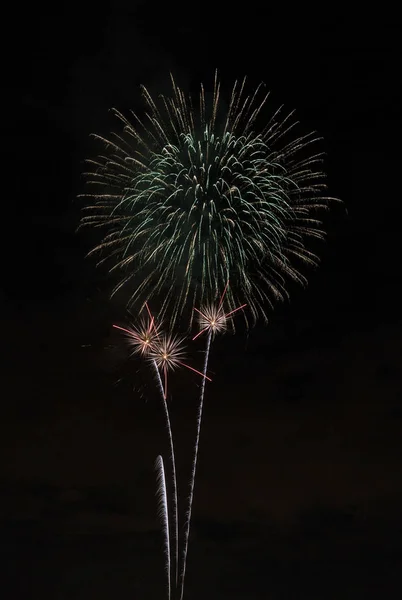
x,y
193,198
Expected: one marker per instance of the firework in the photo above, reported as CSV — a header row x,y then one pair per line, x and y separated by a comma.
x,y
148,341
165,353
213,318
168,353
141,339
188,197
163,514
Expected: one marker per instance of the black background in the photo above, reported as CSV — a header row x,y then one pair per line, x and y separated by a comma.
x,y
299,490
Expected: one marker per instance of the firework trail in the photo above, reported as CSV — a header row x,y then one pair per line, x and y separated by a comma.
x,y
213,320
164,352
167,355
163,514
190,196
174,479
193,471
144,340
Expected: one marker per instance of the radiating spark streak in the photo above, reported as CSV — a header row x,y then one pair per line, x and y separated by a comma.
x,y
201,313
195,370
223,295
131,333
149,314
235,310
200,333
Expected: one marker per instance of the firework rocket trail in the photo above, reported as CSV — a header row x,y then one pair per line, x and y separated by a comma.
x,y
174,477
142,341
217,322
193,471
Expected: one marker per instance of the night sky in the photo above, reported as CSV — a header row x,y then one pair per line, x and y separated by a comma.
x,y
299,486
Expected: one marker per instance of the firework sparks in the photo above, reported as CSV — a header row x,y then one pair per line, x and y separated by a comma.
x,y
165,351
168,354
141,338
188,197
213,318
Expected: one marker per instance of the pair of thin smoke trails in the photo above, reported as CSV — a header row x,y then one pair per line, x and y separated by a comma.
x,y
191,197
165,353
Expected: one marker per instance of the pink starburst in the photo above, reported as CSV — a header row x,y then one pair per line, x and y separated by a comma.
x,y
141,338
167,353
213,318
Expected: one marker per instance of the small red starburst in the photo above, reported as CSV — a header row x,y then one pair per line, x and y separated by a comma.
x,y
167,352
141,338
213,318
